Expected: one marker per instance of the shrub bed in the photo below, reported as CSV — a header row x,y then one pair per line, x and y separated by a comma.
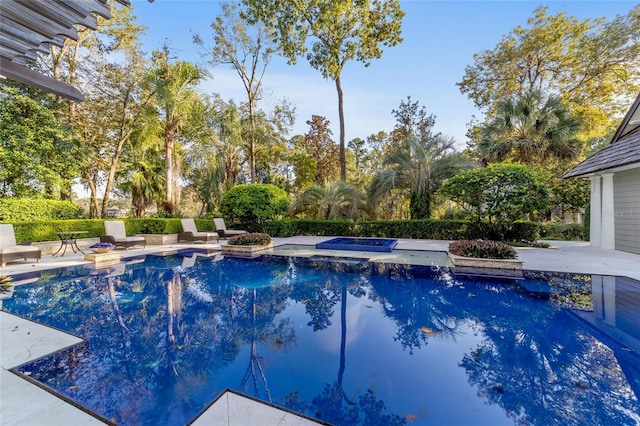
x,y
250,239
482,249
562,231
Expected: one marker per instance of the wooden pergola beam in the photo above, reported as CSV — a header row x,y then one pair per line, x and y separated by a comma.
x,y
30,26
25,75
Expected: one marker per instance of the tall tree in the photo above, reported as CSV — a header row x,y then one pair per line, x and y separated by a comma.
x,y
248,51
37,152
531,129
358,147
206,174
412,122
342,31
302,164
173,85
263,137
318,145
141,182
591,64
225,122
418,169
114,100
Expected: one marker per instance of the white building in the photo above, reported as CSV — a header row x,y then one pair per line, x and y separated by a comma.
x,y
615,187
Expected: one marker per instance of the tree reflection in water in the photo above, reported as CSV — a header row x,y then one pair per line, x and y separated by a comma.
x,y
349,344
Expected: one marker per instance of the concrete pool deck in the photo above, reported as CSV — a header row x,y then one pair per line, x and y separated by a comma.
x,y
23,403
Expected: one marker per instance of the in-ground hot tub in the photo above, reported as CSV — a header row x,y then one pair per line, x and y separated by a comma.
x,y
385,245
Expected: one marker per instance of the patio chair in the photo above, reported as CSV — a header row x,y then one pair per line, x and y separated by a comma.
x,y
191,234
10,250
223,231
116,234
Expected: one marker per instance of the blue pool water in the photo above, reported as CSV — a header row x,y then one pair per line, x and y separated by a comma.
x,y
348,343
384,245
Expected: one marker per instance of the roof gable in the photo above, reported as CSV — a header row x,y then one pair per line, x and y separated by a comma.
x,y
630,123
623,150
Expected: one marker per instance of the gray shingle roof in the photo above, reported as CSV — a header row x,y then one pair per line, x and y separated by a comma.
x,y
621,153
623,150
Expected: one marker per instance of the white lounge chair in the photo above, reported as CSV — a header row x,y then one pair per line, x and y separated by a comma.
x,y
116,234
223,231
10,250
190,233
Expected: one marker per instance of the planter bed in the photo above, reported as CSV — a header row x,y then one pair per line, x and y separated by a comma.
x,y
511,268
245,251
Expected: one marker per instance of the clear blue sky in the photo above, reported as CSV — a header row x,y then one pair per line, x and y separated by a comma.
x,y
440,38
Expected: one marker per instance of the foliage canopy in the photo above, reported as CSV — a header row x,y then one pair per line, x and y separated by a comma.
x,y
342,31
254,203
591,64
498,194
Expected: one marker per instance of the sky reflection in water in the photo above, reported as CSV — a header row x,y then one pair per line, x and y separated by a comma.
x,y
349,344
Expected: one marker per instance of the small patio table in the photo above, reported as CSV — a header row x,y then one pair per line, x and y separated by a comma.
x,y
69,238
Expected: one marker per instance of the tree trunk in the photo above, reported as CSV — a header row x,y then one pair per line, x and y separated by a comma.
x,y
168,170
343,161
420,206
252,143
112,173
65,190
93,201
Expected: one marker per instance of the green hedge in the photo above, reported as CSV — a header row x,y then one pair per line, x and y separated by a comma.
x,y
163,225
417,229
46,230
29,209
562,231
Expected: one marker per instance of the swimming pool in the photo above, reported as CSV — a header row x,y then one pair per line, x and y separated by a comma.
x,y
385,245
348,343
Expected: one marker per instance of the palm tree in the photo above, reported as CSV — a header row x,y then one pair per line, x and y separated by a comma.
x,y
531,130
335,200
417,168
174,89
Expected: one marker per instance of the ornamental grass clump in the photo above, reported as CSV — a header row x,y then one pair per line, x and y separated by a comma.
x,y
251,239
482,249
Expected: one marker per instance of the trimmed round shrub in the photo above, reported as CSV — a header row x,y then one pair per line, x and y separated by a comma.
x,y
497,196
482,249
254,203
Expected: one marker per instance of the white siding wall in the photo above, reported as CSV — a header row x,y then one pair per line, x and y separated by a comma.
x,y
627,210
